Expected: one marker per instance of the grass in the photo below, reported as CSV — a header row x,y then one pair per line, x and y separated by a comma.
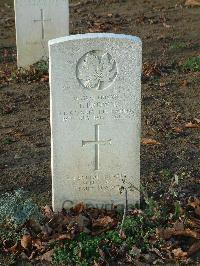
x,y
138,234
167,174
177,46
86,249
7,141
192,64
36,72
41,67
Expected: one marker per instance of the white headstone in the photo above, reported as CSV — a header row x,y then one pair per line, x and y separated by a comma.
x,y
37,22
95,84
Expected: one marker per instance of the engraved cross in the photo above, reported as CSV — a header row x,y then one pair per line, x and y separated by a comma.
x,y
97,143
42,20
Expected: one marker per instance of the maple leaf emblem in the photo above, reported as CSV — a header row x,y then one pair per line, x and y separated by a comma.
x,y
96,70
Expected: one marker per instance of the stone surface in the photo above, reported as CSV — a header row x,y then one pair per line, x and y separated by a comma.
x,y
95,82
37,22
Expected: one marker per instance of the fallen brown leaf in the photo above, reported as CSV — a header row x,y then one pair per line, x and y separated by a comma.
x,y
102,222
145,141
197,120
191,125
44,78
151,70
82,222
192,3
195,247
122,234
38,244
46,256
184,83
162,83
179,253
64,237
195,203
169,232
179,225
157,251
178,130
58,221
197,210
46,230
26,241
78,208
13,248
33,254
47,211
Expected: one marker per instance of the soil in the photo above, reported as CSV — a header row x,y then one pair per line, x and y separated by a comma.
x,y
170,96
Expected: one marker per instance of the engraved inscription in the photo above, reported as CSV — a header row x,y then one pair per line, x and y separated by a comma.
x,y
99,182
42,20
97,142
96,70
98,108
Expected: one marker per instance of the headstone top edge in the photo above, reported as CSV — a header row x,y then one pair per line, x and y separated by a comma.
x,y
134,39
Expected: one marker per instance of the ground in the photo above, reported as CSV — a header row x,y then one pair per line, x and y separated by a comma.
x,y
170,96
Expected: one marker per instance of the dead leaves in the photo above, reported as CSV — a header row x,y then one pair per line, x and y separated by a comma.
x,y
195,204
185,232
44,78
193,124
177,130
78,208
179,234
9,247
47,256
194,248
103,222
179,253
192,3
36,73
184,129
26,241
150,70
170,232
47,211
36,245
145,141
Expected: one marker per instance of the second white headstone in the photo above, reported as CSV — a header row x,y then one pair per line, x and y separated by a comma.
x,y
95,84
37,22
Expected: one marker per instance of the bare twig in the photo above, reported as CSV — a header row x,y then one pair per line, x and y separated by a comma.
x,y
124,215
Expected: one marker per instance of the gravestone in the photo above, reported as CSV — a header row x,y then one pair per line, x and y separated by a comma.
x,y
95,82
38,21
